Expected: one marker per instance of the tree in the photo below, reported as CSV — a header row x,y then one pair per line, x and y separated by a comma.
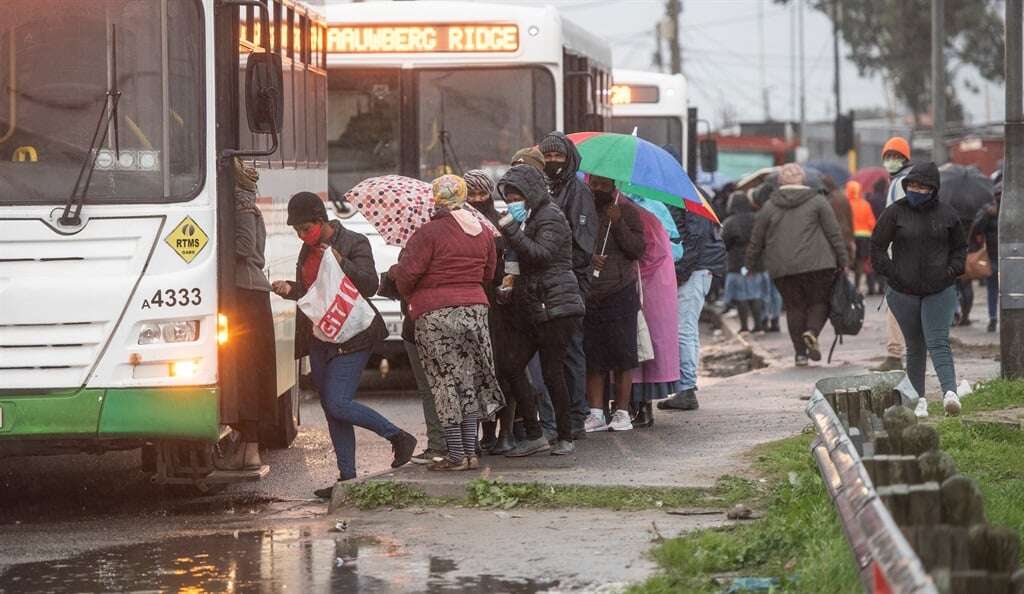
x,y
893,38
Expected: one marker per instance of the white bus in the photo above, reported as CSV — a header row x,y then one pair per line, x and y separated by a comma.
x,y
423,88
119,124
653,104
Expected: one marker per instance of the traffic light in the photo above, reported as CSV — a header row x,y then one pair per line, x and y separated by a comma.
x,y
844,134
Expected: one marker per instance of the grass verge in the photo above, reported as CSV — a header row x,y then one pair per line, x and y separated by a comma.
x,y
497,494
800,541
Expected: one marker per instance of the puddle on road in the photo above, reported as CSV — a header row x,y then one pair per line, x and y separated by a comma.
x,y
289,560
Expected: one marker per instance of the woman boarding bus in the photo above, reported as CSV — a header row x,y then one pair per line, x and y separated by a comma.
x,y
117,181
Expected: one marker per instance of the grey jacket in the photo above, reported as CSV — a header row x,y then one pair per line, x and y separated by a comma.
x,y
796,232
250,246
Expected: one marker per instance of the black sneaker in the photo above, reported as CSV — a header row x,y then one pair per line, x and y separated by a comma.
x,y
327,492
403,445
992,325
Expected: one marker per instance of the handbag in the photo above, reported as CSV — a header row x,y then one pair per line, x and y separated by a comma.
x,y
338,310
978,265
644,344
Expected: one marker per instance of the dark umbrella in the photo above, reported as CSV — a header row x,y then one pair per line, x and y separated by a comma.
x,y
966,189
838,173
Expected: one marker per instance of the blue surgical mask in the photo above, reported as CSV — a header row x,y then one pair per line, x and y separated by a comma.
x,y
517,210
918,198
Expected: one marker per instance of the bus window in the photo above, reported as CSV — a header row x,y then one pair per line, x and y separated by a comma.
x,y
362,126
62,60
479,118
659,130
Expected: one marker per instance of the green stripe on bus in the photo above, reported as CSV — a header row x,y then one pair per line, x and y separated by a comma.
x,y
43,415
180,413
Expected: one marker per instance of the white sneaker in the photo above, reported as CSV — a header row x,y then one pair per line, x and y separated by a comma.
x,y
620,421
964,389
951,402
594,423
922,407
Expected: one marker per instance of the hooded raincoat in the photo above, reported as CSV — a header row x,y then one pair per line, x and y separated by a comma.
x,y
659,377
573,197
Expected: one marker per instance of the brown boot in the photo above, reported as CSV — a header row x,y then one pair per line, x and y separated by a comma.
x,y
251,459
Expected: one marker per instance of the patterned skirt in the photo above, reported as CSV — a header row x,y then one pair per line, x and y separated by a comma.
x,y
454,344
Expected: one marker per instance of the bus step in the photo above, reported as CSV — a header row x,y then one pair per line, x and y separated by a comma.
x,y
237,476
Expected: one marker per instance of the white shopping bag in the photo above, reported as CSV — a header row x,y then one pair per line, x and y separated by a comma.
x,y
335,306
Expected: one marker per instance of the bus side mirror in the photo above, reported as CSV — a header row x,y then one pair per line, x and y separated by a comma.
x,y
264,92
709,155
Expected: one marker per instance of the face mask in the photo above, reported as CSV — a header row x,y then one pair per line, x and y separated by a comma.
x,y
918,198
517,210
893,165
312,236
553,169
602,198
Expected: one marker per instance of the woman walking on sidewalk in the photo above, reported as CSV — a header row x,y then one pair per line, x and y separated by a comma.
x,y
798,236
337,367
442,273
929,250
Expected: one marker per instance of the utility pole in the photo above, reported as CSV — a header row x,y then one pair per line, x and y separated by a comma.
x,y
835,54
803,78
792,62
938,82
658,58
764,83
1011,211
672,10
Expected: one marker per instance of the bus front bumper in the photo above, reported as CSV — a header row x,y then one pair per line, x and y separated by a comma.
x,y
187,413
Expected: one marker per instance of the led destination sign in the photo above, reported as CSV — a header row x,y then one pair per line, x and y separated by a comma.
x,y
385,39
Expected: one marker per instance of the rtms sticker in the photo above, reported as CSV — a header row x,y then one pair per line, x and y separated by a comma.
x,y
187,239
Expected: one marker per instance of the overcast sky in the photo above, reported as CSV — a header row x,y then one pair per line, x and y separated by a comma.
x,y
722,57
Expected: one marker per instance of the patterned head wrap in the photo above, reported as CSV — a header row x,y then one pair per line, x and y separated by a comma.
x,y
479,181
450,191
791,174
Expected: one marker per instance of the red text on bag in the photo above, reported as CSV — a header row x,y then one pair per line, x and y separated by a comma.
x,y
338,312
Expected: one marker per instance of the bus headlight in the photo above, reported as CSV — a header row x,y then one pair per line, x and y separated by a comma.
x,y
168,332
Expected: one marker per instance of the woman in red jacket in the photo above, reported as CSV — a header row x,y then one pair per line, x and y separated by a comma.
x,y
441,274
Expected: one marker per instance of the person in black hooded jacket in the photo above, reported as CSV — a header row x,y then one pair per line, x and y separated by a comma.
x,y
929,251
547,298
576,201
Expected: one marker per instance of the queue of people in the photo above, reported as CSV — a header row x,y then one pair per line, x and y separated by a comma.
x,y
574,317
577,308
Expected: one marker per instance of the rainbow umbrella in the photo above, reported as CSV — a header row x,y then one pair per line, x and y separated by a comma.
x,y
641,168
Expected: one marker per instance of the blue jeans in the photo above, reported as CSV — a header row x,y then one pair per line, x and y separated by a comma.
x,y
925,323
691,295
992,285
337,378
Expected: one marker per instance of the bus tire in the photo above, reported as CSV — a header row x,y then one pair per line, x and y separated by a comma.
x,y
281,435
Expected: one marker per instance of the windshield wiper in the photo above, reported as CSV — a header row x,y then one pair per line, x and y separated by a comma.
x,y
72,216
446,143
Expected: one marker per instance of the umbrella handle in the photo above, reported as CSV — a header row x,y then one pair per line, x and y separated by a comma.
x,y
604,245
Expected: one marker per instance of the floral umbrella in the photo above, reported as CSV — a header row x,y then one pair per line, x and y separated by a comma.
x,y
397,206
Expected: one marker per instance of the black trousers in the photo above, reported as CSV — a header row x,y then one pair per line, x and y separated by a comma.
x,y
806,297
524,340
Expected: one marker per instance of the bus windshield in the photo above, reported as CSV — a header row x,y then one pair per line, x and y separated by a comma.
x,y
57,67
455,120
660,130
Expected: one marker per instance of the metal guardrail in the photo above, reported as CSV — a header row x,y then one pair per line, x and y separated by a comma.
x,y
885,560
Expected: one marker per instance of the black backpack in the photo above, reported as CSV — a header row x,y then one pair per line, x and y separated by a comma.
x,y
846,310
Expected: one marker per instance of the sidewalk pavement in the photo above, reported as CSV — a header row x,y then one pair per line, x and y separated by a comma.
x,y
695,448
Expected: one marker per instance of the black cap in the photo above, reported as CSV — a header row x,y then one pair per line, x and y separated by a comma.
x,y
306,207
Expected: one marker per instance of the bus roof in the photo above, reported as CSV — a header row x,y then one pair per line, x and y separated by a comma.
x,y
541,29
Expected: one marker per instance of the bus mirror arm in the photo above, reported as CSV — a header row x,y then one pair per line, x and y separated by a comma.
x,y
231,153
